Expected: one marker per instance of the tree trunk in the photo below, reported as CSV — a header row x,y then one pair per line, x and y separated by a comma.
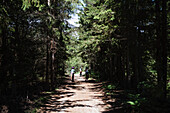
x,y
111,68
4,60
128,68
158,30
47,51
47,62
158,34
52,69
164,47
161,31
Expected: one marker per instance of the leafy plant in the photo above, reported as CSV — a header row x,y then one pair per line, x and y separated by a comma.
x,y
111,86
135,100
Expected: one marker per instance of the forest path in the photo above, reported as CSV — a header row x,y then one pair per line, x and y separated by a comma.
x,y
77,97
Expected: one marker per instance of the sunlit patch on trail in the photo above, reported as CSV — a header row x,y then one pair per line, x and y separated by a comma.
x,y
78,97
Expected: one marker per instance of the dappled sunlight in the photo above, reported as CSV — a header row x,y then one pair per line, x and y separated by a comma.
x,y
84,56
81,97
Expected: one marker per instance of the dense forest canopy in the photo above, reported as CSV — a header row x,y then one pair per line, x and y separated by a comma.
x,y
125,42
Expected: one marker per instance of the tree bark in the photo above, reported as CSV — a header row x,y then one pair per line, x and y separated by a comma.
x,y
161,31
4,60
47,61
164,46
158,30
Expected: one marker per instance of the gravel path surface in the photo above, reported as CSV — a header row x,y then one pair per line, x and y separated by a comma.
x,y
76,97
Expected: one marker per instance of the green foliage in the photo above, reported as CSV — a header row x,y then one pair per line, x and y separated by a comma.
x,y
110,93
73,48
135,100
26,33
168,67
168,89
74,62
146,85
132,103
97,25
111,86
148,89
143,104
95,75
28,3
117,39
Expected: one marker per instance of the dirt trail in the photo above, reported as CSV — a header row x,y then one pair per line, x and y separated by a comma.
x,y
77,97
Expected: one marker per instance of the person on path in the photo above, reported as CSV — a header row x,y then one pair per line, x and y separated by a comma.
x,y
80,71
87,73
72,74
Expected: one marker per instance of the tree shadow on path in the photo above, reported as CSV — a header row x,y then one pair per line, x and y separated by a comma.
x,y
72,95
61,100
116,100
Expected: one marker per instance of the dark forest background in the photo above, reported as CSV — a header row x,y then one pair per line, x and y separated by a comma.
x,y
124,42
